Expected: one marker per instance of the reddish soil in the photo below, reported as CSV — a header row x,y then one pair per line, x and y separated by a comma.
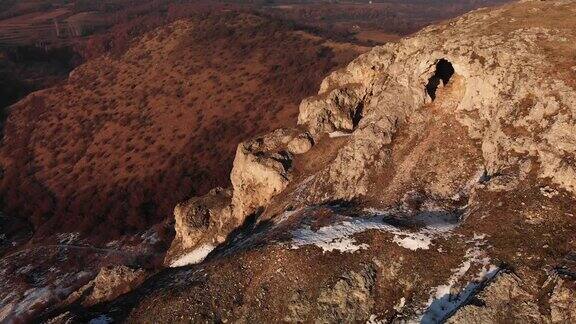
x,y
114,149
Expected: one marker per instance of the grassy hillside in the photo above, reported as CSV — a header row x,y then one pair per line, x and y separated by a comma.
x,y
115,148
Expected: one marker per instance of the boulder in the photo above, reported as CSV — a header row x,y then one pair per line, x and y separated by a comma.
x,y
112,282
109,283
338,110
199,215
202,221
262,169
300,144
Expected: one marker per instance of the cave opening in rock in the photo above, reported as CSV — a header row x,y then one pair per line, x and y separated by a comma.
x,y
443,73
357,115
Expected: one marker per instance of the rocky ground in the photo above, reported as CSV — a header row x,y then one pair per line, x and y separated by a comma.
x,y
431,180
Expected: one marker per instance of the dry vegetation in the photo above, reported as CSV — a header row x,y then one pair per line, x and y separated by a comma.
x,y
122,142
131,135
373,21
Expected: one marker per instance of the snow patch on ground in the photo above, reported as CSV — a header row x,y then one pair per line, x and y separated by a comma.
x,y
196,256
330,238
413,242
50,277
336,134
338,236
443,302
20,308
33,298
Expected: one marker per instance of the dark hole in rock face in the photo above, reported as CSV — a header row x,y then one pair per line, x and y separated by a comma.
x,y
443,73
357,114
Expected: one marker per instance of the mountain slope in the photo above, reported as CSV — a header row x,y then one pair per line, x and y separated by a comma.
x,y
167,114
430,180
90,166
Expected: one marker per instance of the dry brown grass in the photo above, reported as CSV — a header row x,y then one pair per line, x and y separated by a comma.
x,y
127,138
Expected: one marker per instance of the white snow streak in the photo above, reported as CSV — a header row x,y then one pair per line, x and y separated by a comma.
x,y
414,241
196,256
338,236
338,134
443,303
330,238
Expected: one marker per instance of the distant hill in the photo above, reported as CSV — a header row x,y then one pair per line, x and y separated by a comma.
x,y
70,32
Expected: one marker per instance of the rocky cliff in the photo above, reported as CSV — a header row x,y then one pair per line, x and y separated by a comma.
x,y
431,180
89,165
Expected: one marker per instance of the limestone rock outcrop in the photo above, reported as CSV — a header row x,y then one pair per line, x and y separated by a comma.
x,y
204,219
450,152
262,169
109,283
515,119
500,87
509,299
338,110
503,300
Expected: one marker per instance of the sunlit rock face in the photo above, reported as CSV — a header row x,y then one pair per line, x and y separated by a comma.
x,y
438,176
430,172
